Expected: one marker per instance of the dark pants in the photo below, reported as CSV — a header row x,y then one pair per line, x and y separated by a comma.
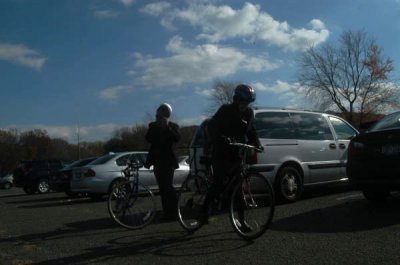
x,y
224,170
164,173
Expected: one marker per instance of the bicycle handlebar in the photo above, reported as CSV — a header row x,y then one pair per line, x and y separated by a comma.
x,y
246,146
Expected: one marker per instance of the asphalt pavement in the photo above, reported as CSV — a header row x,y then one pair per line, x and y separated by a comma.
x,y
328,226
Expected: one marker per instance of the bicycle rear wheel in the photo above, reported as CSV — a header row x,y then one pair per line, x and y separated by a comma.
x,y
190,202
131,206
252,206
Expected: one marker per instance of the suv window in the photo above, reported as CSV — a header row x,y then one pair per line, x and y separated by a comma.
x,y
309,126
342,129
274,125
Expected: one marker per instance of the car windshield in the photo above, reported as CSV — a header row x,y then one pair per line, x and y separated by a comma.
x,y
103,159
391,121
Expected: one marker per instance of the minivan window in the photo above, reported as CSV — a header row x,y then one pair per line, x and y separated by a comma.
x,y
274,125
342,129
200,136
309,126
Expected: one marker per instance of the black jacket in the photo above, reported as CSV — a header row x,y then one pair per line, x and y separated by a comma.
x,y
162,140
229,122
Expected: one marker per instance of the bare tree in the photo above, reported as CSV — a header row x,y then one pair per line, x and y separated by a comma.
x,y
353,77
222,93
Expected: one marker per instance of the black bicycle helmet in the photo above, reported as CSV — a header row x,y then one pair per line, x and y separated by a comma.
x,y
244,93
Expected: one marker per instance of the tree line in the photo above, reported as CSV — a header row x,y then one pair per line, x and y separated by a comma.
x,y
16,146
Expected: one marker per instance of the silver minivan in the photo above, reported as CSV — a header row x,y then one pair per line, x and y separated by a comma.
x,y
302,148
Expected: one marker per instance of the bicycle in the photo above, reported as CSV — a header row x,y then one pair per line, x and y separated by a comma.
x,y
131,204
251,199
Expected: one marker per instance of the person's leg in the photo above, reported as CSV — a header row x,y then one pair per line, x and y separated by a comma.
x,y
164,174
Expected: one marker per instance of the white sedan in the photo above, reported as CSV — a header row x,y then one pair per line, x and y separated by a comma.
x,y
98,177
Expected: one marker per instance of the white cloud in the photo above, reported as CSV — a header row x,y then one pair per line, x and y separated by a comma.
x,y
292,93
103,14
205,92
278,87
115,92
219,23
21,55
156,9
192,121
127,2
196,64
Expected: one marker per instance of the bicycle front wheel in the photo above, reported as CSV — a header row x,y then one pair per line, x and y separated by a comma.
x,y
252,206
131,205
190,202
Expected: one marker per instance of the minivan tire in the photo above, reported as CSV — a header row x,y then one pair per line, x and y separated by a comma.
x,y
288,184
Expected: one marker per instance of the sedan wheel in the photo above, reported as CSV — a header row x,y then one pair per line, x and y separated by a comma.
x,y
43,186
7,185
289,184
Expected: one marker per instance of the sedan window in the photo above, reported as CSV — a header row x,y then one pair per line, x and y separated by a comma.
x,y
389,122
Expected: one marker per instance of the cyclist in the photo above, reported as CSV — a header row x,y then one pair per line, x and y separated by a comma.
x,y
232,122
162,135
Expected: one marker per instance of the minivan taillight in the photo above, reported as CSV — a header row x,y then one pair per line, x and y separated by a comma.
x,y
90,173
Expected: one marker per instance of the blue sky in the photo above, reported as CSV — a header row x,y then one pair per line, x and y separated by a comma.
x,y
105,64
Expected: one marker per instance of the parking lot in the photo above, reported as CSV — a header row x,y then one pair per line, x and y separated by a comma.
x,y
331,226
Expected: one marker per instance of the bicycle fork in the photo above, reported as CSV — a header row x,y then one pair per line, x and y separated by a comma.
x,y
248,198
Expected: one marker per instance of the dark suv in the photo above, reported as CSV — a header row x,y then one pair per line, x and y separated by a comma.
x,y
33,176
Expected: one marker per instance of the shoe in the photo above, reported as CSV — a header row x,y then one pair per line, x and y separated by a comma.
x,y
243,226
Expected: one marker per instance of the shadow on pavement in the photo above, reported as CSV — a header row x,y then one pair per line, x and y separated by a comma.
x,y
171,243
351,216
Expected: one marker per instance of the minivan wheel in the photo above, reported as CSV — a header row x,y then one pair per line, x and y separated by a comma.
x,y
288,184
376,196
43,186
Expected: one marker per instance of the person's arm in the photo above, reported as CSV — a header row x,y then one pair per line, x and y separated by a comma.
x,y
252,135
152,133
173,132
215,126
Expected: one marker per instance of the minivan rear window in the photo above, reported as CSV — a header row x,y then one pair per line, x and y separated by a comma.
x,y
274,125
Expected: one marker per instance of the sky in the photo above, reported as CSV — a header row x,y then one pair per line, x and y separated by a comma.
x,y
99,65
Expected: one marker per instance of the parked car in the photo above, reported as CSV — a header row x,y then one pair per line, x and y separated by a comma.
x,y
60,182
98,177
33,176
302,148
7,181
373,159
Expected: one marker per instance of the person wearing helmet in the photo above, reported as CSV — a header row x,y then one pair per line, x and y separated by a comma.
x,y
231,123
163,134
